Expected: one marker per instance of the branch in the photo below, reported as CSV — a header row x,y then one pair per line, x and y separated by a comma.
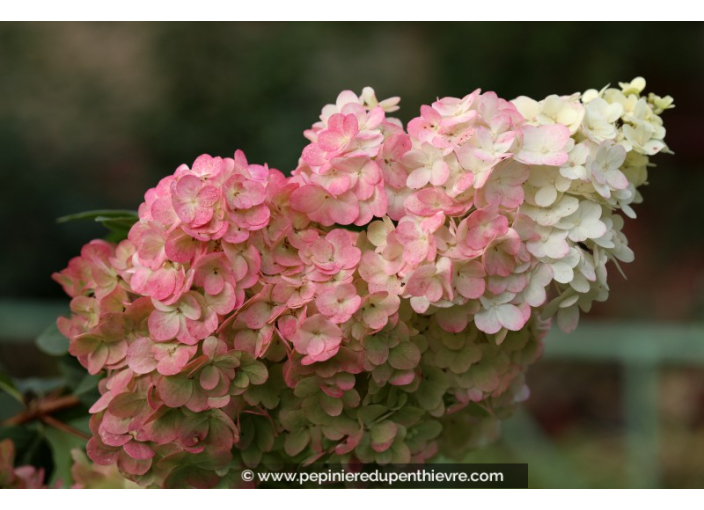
x,y
64,427
42,408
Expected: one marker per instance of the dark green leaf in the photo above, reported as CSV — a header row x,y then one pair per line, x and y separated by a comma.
x,y
30,446
52,342
9,406
118,222
117,225
94,215
8,386
38,386
72,371
61,444
23,437
87,384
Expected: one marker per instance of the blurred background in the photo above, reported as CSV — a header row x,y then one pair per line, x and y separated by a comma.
x,y
93,114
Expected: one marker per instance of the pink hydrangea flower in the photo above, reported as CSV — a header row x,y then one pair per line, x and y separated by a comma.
x,y
193,200
244,322
339,303
481,227
317,338
323,207
544,145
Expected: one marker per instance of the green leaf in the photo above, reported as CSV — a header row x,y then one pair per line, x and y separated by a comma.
x,y
61,444
9,406
30,446
118,222
71,371
22,437
101,213
87,384
39,386
8,386
52,342
121,225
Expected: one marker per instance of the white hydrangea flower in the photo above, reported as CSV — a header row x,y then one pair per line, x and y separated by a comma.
x,y
635,86
563,268
603,168
600,120
549,216
562,110
575,168
660,104
591,94
584,272
642,139
565,110
585,223
575,208
548,183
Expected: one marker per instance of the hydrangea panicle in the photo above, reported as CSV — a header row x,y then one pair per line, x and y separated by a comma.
x,y
245,322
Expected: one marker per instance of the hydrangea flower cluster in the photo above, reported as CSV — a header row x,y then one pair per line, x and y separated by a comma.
x,y
395,286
